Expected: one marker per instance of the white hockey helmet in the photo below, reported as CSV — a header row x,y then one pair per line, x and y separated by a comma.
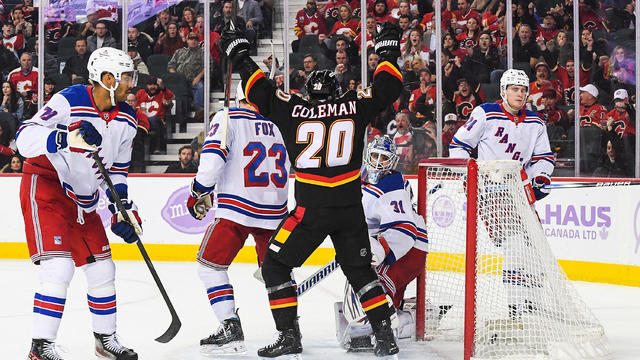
x,y
384,161
239,94
113,61
513,77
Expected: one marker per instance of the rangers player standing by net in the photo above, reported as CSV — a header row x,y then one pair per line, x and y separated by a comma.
x,y
59,196
507,131
324,138
250,177
398,244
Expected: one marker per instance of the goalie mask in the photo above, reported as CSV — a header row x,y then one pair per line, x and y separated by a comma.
x,y
113,61
322,85
379,160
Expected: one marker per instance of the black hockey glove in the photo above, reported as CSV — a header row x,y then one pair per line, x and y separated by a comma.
x,y
234,44
388,40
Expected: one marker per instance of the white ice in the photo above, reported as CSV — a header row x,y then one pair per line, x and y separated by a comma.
x,y
142,314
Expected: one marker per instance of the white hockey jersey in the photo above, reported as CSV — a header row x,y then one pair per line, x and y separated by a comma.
x,y
77,172
250,177
501,136
390,215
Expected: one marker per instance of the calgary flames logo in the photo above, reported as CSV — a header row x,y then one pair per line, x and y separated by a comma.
x,y
464,110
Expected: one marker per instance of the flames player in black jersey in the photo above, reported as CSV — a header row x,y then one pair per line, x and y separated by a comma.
x,y
324,138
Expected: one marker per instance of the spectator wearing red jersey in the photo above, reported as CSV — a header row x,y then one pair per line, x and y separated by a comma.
x,y
591,113
423,99
11,40
465,100
371,29
25,78
543,81
405,28
589,17
309,21
429,21
468,39
450,43
346,26
187,23
548,29
153,100
381,12
460,17
331,12
550,114
621,119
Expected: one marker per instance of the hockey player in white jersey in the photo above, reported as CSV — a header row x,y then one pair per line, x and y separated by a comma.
x,y
506,130
59,196
250,179
398,245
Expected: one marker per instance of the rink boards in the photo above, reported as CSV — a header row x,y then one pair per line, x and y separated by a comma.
x,y
595,232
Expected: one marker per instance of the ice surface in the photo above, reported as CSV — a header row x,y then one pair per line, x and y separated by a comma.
x,y
142,315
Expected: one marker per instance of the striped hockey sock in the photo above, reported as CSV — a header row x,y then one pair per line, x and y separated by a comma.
x,y
222,301
102,305
48,306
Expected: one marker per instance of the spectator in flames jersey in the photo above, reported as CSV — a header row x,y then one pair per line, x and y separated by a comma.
x,y
346,26
459,17
251,198
332,12
10,40
309,21
591,113
154,100
549,113
465,100
620,117
381,12
423,95
59,194
324,135
25,78
543,82
398,242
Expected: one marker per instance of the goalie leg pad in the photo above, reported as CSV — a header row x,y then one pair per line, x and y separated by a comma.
x,y
49,300
369,291
219,291
101,295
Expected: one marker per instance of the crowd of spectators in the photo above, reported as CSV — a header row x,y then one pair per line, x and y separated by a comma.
x,y
474,56
167,47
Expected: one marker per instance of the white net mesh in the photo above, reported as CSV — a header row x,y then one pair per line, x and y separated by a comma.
x,y
525,305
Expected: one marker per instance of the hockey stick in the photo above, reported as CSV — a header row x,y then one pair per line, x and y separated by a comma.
x,y
312,280
585,184
273,62
175,325
227,96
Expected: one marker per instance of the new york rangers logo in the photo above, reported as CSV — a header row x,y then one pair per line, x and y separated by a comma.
x,y
105,116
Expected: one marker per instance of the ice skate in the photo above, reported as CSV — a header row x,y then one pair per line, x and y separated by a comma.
x,y
287,346
42,349
385,347
108,347
360,344
228,339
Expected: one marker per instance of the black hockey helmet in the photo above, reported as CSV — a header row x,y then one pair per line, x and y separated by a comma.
x,y
322,85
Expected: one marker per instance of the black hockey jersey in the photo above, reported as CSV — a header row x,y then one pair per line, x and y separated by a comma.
x,y
324,140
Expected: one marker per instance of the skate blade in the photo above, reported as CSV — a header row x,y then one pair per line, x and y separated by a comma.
x,y
232,348
285,357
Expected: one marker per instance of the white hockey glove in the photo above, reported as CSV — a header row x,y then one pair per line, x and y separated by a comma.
x,y
378,254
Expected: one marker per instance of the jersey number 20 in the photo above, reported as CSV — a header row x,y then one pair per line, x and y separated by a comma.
x,y
339,143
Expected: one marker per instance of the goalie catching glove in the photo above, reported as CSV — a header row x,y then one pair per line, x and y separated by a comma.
x,y
129,232
233,43
199,201
538,183
388,41
81,136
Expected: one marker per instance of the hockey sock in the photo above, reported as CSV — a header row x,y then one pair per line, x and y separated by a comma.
x,y
48,303
283,299
219,291
101,295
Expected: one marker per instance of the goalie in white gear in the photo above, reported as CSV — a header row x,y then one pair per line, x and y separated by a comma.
x,y
250,178
398,245
59,196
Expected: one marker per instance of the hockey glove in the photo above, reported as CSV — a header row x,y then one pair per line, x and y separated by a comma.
x,y
378,251
119,226
388,40
538,184
199,201
234,44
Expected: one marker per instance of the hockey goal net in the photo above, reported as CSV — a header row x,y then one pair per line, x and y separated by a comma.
x,y
491,281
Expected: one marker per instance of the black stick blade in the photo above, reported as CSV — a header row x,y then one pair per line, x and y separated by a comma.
x,y
172,331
